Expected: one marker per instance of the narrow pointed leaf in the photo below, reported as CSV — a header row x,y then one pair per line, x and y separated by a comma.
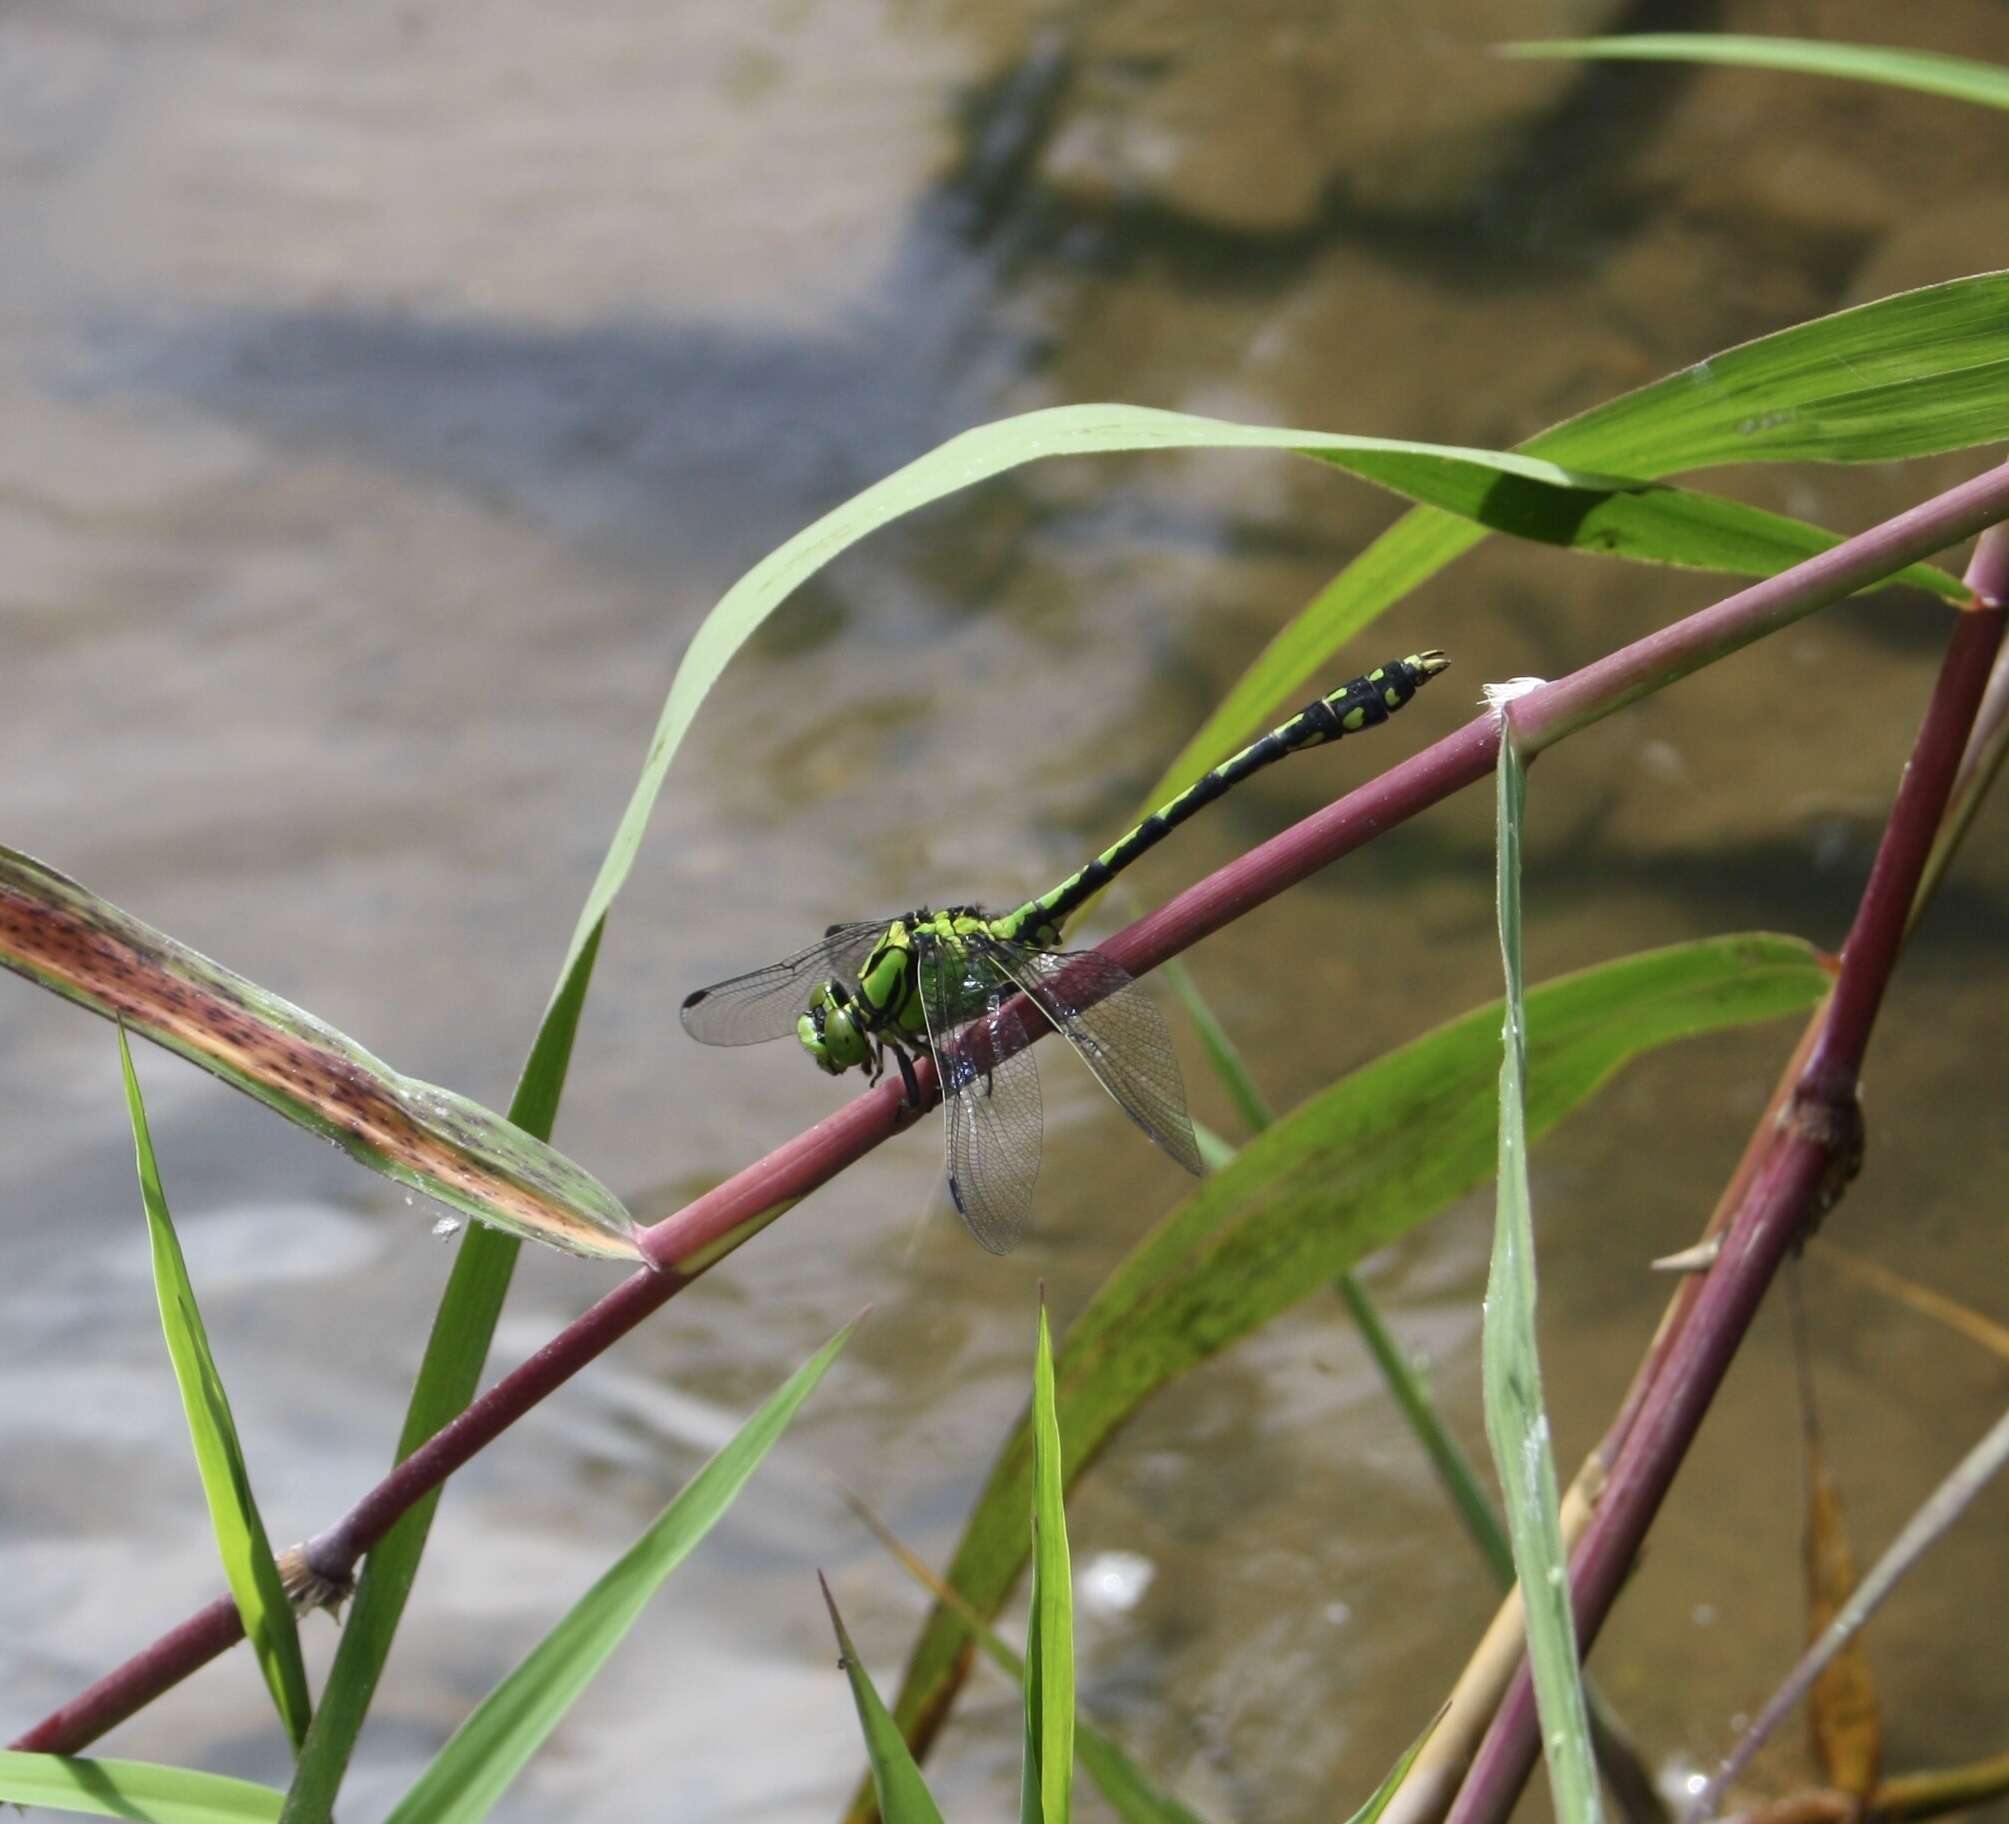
x,y
241,1540
1516,1421
64,937
1345,1173
903,1795
488,1750
132,1789
1928,72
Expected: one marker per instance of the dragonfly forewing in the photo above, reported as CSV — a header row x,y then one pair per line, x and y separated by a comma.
x,y
765,1003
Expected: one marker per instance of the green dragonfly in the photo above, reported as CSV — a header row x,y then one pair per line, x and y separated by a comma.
x,y
972,989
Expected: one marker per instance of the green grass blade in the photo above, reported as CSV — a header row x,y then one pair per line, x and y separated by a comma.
x,y
488,1750
63,937
1927,72
1049,1678
903,1795
1516,1422
448,1375
226,1481
1911,375
132,1789
1348,1171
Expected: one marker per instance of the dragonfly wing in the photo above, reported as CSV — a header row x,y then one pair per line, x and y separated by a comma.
x,y
990,1094
766,1003
1117,1031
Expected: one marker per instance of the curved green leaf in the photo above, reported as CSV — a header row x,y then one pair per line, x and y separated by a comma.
x,y
1928,72
1525,493
67,939
509,1725
132,1789
1345,1173
241,1539
1911,375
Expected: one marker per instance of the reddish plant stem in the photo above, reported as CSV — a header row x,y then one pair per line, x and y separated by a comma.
x,y
1815,1150
1988,577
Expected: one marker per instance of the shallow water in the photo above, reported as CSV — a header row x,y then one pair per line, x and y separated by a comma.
x,y
390,390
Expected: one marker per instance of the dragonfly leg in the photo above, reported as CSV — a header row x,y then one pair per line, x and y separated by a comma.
x,y
912,1082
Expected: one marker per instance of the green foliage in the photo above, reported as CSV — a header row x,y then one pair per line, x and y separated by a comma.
x,y
132,1789
448,1375
226,1480
488,1750
1909,375
896,1780
1348,1171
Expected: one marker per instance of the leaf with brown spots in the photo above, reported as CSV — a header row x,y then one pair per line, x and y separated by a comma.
x,y
64,937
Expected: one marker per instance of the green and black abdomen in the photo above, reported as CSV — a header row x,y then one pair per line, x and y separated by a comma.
x,y
1363,703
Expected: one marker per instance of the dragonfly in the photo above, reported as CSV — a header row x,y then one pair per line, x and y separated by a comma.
x,y
971,990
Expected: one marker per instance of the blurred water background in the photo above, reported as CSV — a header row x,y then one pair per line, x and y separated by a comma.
x,y
388,389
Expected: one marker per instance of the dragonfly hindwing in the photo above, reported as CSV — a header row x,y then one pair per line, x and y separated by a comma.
x,y
1117,1031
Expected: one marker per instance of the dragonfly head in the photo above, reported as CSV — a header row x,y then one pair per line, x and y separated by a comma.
x,y
830,1033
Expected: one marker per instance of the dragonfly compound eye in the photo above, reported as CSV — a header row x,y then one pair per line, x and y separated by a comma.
x,y
829,1031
